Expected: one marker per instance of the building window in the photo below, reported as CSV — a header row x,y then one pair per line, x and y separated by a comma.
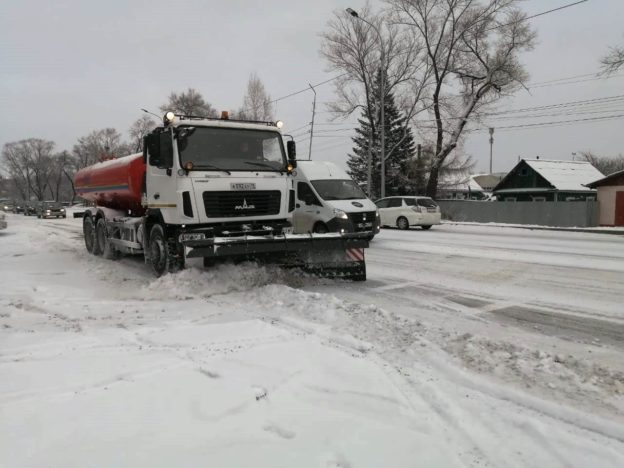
x,y
510,198
524,172
539,198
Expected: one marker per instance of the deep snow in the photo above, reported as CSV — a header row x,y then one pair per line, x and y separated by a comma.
x,y
467,346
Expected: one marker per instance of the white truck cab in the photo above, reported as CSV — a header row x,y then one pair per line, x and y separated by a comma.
x,y
328,200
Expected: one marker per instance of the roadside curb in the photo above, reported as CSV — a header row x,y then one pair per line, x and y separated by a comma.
x,y
613,232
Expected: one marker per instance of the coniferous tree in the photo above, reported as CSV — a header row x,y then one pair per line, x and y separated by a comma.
x,y
399,148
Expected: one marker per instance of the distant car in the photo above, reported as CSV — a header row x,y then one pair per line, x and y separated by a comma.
x,y
3,223
30,209
50,210
406,211
7,206
18,207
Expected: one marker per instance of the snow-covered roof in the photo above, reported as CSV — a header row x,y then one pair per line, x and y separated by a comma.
x,y
317,170
565,175
613,176
468,184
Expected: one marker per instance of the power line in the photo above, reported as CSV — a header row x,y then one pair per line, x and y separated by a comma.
x,y
299,128
537,15
561,104
555,9
296,92
554,123
566,82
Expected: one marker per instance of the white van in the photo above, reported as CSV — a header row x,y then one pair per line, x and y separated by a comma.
x,y
328,200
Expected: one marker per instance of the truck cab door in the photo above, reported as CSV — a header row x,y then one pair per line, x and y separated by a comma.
x,y
160,187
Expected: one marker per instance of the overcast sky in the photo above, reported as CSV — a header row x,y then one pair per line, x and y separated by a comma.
x,y
69,67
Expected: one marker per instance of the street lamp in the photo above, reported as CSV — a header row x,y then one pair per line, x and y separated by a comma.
x,y
354,13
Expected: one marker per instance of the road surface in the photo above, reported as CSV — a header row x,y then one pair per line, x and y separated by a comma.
x,y
467,346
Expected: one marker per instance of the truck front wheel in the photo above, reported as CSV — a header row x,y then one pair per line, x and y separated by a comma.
x,y
162,255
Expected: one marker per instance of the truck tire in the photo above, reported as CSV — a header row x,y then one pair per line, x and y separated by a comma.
x,y
101,239
88,231
162,255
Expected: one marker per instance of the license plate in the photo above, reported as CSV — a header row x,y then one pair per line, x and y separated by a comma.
x,y
192,236
239,186
365,225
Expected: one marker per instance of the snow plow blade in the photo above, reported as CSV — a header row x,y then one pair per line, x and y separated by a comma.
x,y
331,255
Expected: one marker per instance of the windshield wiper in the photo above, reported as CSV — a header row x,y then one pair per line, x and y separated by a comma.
x,y
212,166
264,165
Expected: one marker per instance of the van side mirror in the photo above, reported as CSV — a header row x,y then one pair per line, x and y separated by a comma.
x,y
291,149
160,149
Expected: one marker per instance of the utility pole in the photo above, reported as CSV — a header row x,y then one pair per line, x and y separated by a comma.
x,y
369,163
491,145
312,123
419,147
382,99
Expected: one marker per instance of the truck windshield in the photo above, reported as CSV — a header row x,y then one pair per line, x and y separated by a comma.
x,y
333,189
232,149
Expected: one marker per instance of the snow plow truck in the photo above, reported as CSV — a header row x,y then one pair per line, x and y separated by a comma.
x,y
211,188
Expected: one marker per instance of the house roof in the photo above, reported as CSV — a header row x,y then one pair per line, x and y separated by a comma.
x,y
471,183
608,178
567,176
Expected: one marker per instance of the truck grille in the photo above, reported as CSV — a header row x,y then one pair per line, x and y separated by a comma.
x,y
362,221
242,203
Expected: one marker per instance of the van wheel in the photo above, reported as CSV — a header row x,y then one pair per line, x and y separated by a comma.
x,y
320,228
426,227
402,223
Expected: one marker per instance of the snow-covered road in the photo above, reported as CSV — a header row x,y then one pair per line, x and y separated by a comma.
x,y
467,346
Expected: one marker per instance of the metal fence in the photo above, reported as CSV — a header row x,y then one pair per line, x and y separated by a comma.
x,y
561,214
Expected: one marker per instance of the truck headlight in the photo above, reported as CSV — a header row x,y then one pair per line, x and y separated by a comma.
x,y
340,214
377,214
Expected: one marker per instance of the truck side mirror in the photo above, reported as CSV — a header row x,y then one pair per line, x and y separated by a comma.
x,y
160,149
291,149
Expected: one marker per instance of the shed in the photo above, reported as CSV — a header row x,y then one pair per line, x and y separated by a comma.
x,y
548,180
610,199
473,187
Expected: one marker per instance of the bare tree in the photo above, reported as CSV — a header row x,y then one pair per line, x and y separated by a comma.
x,y
604,164
190,102
472,47
98,145
613,61
29,163
353,48
257,102
141,127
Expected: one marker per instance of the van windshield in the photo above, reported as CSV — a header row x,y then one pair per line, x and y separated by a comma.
x,y
332,189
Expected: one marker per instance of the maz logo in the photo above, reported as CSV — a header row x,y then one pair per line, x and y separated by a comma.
x,y
245,206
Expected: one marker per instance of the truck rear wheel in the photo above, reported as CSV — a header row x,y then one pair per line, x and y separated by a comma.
x,y
162,255
88,230
102,241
